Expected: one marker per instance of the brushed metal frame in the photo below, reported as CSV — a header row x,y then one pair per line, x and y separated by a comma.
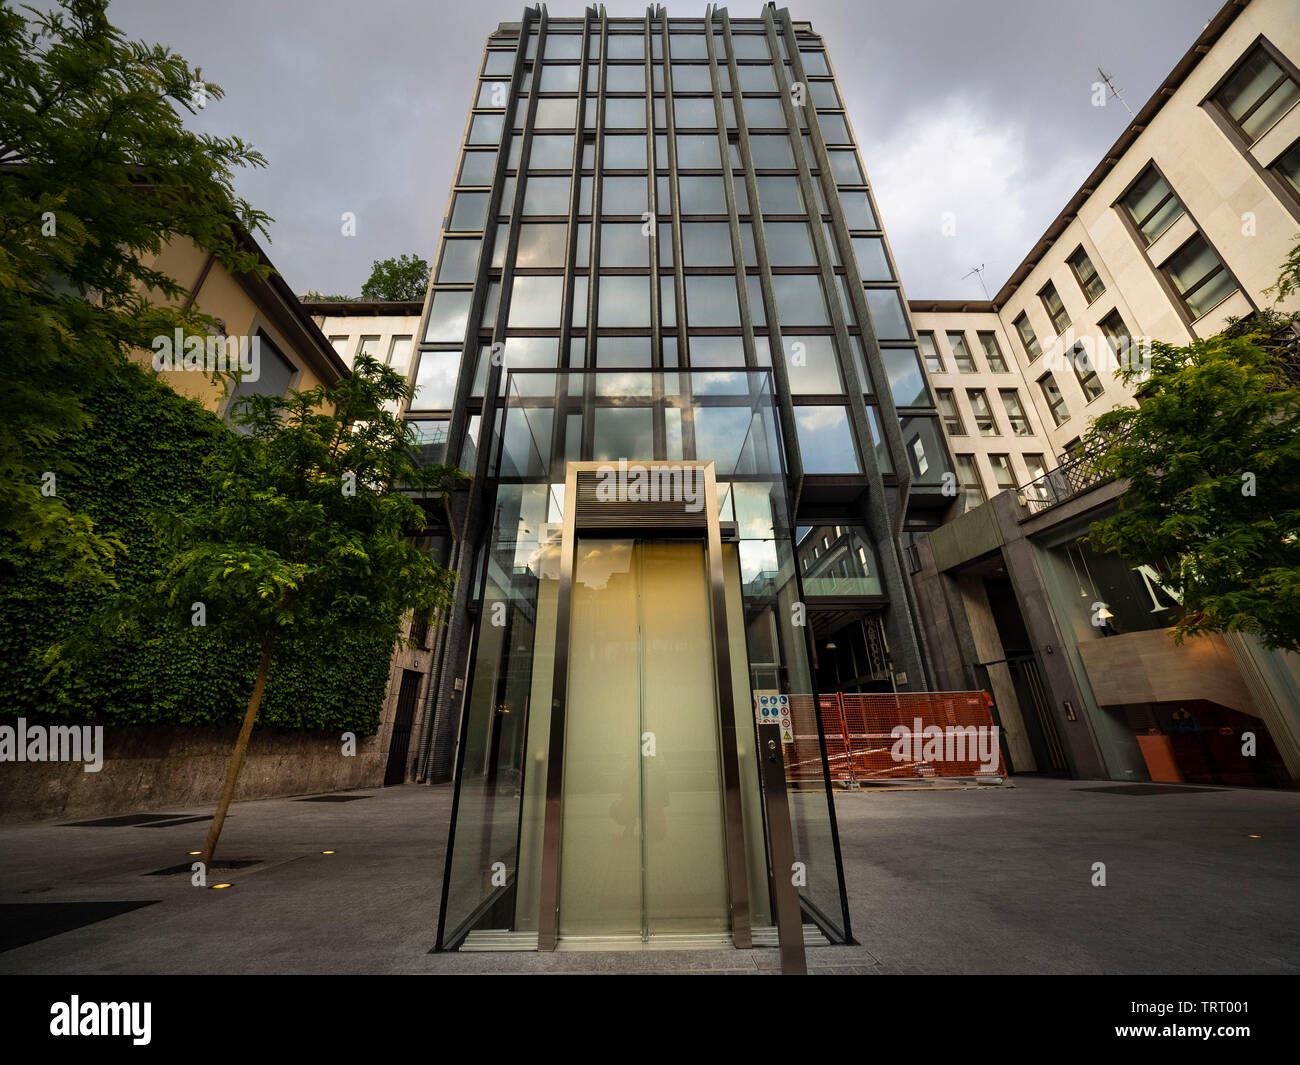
x,y
733,820
780,842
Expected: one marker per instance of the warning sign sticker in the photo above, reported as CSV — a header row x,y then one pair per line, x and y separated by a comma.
x,y
773,708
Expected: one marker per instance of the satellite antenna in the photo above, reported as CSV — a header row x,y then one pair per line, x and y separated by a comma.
x,y
1114,91
978,271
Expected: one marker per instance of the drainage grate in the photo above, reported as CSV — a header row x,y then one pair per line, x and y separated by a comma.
x,y
187,867
29,922
333,798
1144,789
121,820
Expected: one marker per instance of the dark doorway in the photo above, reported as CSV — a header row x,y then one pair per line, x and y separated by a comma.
x,y
400,742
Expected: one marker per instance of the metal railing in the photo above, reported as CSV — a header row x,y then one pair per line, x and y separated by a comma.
x,y
1072,478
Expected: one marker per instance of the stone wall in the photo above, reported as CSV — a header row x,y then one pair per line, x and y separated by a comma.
x,y
160,768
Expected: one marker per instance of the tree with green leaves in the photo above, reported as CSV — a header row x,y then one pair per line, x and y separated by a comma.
x,y
1288,281
1211,454
402,279
97,174
305,526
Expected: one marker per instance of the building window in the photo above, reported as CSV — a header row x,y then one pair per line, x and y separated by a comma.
x,y
1082,362
948,411
1015,412
1086,274
1027,337
1003,473
1117,336
1199,276
992,352
1152,205
1288,167
961,353
1036,488
979,405
968,475
1257,94
399,355
933,361
825,440
1055,308
275,373
1055,401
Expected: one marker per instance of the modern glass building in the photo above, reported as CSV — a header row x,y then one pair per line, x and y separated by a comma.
x,y
666,338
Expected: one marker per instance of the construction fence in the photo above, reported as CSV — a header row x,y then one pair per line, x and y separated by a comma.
x,y
895,736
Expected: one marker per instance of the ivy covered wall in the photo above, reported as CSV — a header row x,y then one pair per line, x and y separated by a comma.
x,y
143,454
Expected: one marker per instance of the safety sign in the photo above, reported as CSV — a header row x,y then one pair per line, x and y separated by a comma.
x,y
772,708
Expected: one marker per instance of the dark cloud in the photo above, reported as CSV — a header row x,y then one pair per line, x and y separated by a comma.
x,y
981,109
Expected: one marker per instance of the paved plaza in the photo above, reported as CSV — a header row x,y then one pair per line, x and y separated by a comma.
x,y
985,880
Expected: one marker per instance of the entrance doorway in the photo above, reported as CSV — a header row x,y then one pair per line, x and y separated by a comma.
x,y
400,741
642,833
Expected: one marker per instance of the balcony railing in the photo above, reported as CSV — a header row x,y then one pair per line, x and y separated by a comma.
x,y
1070,479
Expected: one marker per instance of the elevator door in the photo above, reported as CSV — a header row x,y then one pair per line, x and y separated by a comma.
x,y
642,849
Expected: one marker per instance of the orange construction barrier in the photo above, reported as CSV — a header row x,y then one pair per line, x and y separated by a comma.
x,y
894,736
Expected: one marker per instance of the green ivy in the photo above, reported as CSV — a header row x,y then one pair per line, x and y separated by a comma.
x,y
143,453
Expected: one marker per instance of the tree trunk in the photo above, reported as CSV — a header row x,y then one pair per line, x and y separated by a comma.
x,y
241,748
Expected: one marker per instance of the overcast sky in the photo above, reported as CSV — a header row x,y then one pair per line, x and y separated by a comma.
x,y
980,109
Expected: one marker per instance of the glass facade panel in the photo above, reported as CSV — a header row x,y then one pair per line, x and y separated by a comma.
x,y
887,315
906,379
448,317
826,440
459,261
546,196
702,195
800,300
873,263
698,152
789,244
435,380
780,195
857,211
624,301
535,302
706,244
711,301
811,365
624,196
622,244
542,245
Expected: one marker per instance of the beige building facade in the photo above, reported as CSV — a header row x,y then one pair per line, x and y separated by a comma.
x,y
1183,225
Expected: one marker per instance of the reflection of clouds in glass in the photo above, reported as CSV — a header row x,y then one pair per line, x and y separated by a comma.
x,y
756,558
816,419
544,562
596,562
624,384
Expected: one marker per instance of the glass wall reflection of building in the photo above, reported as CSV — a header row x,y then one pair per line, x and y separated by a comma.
x,y
661,250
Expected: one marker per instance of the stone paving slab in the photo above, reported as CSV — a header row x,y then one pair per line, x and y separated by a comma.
x,y
986,880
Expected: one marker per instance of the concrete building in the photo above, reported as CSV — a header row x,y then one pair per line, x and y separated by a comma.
x,y
1183,224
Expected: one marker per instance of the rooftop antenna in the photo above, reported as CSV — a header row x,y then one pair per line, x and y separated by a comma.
x,y
978,271
1114,91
